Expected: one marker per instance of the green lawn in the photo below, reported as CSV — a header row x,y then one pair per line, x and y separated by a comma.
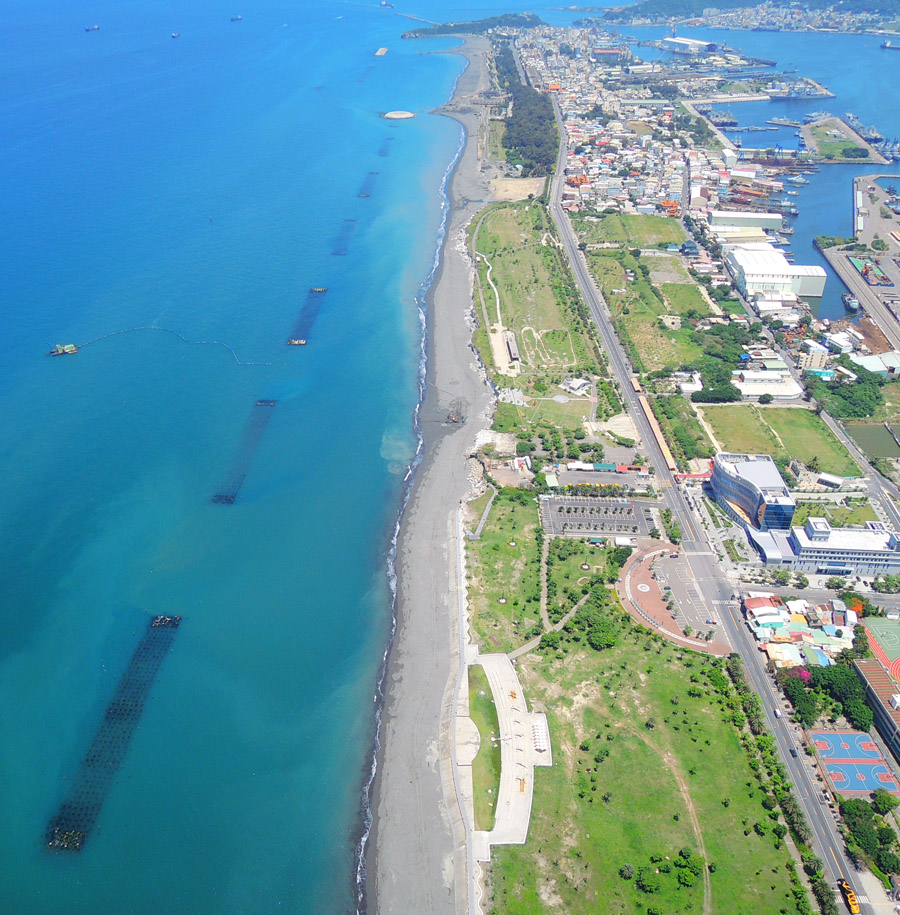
x,y
500,572
621,793
740,429
631,229
486,765
832,148
782,432
807,437
851,514
889,411
529,277
568,580
496,129
635,308
683,297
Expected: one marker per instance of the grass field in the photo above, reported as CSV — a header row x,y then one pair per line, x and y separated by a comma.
x,y
500,572
635,308
781,432
684,297
486,765
807,437
642,769
526,274
889,411
630,229
832,147
740,429
496,129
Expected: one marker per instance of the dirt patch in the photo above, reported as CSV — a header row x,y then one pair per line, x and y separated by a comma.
x,y
516,188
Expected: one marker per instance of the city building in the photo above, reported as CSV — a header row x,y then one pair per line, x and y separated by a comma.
x,y
883,699
750,489
818,548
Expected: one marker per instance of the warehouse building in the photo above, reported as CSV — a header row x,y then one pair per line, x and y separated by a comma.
x,y
762,270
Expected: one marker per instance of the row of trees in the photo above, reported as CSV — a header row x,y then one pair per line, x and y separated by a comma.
x,y
531,139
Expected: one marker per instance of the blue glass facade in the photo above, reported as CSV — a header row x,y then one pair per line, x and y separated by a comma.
x,y
751,490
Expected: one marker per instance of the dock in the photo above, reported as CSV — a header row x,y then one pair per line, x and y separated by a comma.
x,y
880,302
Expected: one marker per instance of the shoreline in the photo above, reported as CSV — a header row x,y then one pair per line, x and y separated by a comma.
x,y
415,859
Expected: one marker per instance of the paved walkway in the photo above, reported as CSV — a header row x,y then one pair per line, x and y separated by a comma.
x,y
642,598
524,744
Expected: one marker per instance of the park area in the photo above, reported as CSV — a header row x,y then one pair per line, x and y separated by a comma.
x,y
519,262
783,432
651,805
504,573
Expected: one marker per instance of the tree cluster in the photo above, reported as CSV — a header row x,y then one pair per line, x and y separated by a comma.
x,y
531,139
877,841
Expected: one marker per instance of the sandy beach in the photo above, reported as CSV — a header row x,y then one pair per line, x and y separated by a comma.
x,y
417,858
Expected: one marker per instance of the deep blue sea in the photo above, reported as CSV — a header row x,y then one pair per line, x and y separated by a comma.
x,y
200,185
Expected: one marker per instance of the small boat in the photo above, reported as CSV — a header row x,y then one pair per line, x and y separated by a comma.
x,y
176,34
237,18
851,302
297,341
63,349
92,28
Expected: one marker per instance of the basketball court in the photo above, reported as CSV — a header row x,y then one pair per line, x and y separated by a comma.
x,y
853,762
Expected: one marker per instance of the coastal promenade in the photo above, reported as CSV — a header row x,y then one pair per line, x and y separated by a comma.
x,y
417,861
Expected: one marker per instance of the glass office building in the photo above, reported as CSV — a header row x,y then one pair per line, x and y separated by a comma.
x,y
751,491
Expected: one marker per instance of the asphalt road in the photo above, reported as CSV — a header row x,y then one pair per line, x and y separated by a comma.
x,y
714,586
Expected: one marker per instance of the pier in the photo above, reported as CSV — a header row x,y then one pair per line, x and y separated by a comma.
x,y
876,301
68,830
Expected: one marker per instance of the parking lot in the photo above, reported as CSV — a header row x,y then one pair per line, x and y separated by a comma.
x,y
583,516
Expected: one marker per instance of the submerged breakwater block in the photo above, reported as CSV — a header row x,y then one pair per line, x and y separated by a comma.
x,y
240,464
368,185
342,242
385,147
307,318
69,828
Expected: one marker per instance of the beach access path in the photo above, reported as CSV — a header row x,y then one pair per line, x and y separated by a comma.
x,y
417,858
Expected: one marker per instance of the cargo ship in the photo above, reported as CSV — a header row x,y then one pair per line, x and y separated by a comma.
x,y
888,45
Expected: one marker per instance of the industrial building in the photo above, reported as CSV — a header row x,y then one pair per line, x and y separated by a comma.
x,y
763,269
687,45
820,549
740,219
750,489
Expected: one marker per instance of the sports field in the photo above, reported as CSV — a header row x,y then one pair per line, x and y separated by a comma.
x,y
853,762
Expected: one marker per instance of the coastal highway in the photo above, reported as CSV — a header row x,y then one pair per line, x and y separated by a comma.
x,y
715,588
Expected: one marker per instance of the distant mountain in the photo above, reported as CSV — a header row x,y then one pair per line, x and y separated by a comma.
x,y
478,27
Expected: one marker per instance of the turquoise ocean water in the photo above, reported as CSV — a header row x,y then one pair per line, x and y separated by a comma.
x,y
199,184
